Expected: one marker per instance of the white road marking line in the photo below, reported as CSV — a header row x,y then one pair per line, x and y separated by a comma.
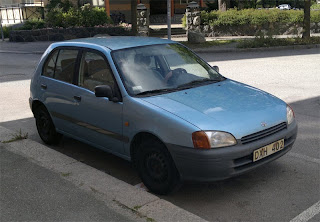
x,y
307,158
308,213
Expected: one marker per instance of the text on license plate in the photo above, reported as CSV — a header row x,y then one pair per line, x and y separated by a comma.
x,y
268,150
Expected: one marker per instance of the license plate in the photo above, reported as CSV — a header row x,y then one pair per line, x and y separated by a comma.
x,y
268,150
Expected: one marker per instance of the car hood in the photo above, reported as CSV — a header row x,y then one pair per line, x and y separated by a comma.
x,y
227,106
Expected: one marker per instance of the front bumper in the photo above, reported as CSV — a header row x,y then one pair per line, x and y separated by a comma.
x,y
222,163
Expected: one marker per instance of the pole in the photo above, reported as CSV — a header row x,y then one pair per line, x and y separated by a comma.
x,y
169,18
2,36
107,7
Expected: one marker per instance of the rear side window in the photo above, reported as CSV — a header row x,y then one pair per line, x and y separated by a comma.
x,y
50,64
65,65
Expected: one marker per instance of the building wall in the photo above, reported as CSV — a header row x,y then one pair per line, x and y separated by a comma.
x,y
17,2
155,7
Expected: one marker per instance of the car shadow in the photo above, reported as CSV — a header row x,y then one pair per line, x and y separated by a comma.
x,y
103,161
307,111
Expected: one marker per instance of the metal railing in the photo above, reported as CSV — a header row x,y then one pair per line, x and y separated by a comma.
x,y
17,13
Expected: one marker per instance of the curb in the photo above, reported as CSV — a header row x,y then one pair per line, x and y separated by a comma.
x,y
212,49
262,49
93,180
19,52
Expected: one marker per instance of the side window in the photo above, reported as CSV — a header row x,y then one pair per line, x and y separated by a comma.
x,y
94,71
65,65
50,64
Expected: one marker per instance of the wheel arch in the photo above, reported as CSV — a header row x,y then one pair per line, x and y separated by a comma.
x,y
138,138
35,105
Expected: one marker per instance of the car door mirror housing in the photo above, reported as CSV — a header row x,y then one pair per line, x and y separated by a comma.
x,y
104,91
216,68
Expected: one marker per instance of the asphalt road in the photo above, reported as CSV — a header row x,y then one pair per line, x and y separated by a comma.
x,y
279,191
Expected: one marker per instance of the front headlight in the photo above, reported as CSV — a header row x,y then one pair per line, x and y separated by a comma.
x,y
290,114
212,139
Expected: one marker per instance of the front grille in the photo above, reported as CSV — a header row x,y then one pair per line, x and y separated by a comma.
x,y
264,133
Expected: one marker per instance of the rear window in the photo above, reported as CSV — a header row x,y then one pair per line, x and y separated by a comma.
x,y
50,65
61,65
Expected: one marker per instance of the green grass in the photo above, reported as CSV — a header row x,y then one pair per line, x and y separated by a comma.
x,y
136,207
93,190
273,42
17,136
65,174
208,43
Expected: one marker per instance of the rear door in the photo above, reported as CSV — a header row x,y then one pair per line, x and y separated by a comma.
x,y
57,85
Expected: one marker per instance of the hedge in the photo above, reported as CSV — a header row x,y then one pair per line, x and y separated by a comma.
x,y
234,17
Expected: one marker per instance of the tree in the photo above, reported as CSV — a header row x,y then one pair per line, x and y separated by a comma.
x,y
134,16
223,5
306,19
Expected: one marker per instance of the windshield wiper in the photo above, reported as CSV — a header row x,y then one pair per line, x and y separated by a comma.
x,y
153,91
196,82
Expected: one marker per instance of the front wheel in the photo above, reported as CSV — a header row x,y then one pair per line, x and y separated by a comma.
x,y
156,168
45,126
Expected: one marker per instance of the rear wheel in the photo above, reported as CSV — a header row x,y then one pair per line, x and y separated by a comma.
x,y
45,126
156,167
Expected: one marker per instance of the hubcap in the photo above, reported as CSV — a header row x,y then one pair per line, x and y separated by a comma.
x,y
157,167
44,124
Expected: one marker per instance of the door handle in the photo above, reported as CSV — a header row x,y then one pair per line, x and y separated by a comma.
x,y
78,98
43,86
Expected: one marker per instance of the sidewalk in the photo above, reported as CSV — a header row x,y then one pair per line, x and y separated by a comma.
x,y
30,192
23,47
41,184
40,47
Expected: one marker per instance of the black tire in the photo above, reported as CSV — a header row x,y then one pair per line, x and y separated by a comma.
x,y
156,167
45,126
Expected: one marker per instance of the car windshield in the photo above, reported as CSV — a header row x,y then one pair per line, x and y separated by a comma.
x,y
162,68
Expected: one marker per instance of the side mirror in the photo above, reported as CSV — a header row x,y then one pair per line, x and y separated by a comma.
x,y
216,68
105,91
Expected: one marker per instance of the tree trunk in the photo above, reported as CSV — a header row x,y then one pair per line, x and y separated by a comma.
x,y
223,5
306,19
134,16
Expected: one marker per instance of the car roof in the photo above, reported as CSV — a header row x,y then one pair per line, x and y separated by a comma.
x,y
116,42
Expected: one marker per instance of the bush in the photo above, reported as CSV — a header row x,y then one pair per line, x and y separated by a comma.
x,y
234,17
33,24
70,18
93,16
86,16
315,6
6,31
64,5
54,18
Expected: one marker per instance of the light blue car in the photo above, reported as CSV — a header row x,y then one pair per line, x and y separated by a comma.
x,y
155,103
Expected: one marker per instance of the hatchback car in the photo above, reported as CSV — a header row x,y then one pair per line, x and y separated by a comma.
x,y
156,103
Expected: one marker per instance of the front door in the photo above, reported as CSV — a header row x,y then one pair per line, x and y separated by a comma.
x,y
99,121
